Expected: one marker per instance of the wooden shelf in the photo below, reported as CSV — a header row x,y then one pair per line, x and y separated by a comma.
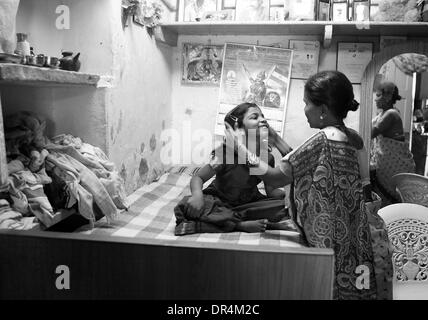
x,y
18,74
168,32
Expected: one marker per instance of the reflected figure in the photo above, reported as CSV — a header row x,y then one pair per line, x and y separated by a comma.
x,y
390,152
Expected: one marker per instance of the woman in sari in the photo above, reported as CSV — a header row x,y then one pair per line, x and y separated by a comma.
x,y
390,153
327,195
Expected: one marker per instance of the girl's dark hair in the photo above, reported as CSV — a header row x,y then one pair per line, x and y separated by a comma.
x,y
236,115
333,89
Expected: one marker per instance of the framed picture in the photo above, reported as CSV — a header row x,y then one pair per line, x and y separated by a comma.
x,y
202,64
353,58
339,11
374,9
228,4
194,10
256,74
323,12
220,15
299,9
361,10
252,10
305,58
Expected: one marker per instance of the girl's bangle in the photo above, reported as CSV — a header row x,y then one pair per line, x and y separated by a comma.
x,y
252,160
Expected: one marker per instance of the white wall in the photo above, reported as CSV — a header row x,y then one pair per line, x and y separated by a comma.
x,y
198,104
140,104
125,120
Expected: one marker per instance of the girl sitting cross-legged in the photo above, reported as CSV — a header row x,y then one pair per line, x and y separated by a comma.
x,y
232,202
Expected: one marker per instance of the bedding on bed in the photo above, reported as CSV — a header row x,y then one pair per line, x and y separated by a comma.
x,y
151,216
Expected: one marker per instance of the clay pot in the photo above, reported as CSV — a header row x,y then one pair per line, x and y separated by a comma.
x,y
68,62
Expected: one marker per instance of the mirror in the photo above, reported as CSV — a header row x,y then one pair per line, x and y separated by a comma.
x,y
406,151
398,142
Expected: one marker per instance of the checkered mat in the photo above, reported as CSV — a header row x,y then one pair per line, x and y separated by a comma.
x,y
151,216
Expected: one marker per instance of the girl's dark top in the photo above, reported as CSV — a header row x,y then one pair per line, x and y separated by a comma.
x,y
233,183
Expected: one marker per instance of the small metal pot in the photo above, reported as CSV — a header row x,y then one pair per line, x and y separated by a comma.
x,y
41,60
30,60
52,62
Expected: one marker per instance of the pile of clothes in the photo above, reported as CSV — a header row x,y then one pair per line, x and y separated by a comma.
x,y
49,175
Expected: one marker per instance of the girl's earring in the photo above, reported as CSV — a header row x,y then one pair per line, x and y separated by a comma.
x,y
322,116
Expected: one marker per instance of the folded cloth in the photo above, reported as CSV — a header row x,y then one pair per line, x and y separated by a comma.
x,y
27,190
10,219
86,187
103,169
15,166
28,121
74,153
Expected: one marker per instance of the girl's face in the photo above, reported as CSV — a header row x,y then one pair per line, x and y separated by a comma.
x,y
312,112
254,119
383,99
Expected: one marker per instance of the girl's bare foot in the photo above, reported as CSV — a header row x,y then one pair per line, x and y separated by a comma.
x,y
287,225
252,225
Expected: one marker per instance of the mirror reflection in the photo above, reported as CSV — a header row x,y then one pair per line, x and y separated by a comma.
x,y
399,128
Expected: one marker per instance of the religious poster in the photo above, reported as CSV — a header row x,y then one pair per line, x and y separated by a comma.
x,y
201,64
305,58
255,74
353,58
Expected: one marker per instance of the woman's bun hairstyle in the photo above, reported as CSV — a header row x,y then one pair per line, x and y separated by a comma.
x,y
333,89
354,105
390,88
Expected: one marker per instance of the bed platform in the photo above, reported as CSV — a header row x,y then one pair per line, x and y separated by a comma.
x,y
138,257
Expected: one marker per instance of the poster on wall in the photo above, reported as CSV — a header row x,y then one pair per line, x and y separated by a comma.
x,y
353,58
305,58
201,64
255,74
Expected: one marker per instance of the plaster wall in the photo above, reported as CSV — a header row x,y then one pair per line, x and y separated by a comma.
x,y
124,120
196,106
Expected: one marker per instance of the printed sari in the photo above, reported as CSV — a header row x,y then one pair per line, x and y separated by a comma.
x,y
328,205
389,157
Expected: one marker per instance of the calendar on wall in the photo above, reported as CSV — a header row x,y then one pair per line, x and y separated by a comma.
x,y
255,74
305,58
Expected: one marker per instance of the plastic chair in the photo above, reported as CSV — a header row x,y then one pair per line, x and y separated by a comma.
x,y
412,188
407,226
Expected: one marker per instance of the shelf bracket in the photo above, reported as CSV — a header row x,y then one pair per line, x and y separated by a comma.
x,y
328,34
164,35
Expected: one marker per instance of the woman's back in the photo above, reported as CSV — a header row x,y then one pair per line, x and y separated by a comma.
x,y
328,200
